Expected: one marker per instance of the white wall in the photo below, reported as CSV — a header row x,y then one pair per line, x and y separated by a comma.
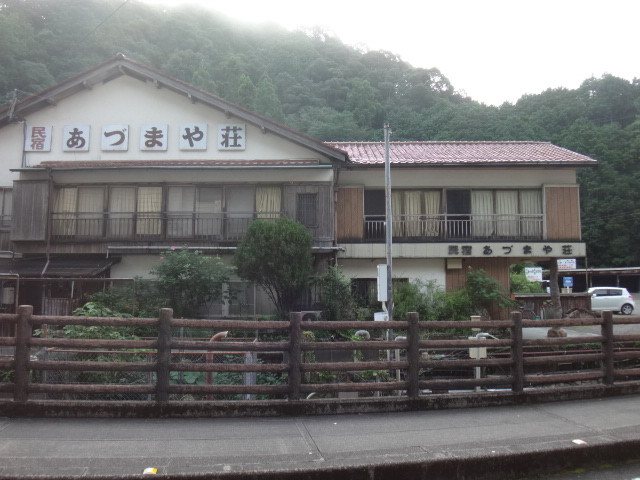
x,y
11,141
129,101
139,265
425,269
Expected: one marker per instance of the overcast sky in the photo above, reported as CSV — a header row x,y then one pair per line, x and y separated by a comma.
x,y
491,50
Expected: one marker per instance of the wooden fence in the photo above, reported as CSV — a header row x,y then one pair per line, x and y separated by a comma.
x,y
414,362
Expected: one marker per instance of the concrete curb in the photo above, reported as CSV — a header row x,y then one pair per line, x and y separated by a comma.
x,y
234,409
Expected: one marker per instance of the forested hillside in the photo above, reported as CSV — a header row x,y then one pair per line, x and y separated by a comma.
x,y
314,83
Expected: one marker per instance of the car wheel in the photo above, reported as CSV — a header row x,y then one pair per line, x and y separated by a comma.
x,y
626,309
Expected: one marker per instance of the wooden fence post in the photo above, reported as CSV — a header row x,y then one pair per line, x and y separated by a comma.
x,y
606,330
413,355
517,352
21,353
163,358
295,337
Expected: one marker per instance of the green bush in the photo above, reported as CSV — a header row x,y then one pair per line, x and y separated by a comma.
x,y
430,301
338,303
186,280
485,291
519,282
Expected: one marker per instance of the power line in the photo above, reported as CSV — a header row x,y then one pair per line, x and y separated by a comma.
x,y
103,21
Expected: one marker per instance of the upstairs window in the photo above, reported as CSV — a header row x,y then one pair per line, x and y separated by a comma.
x,y
306,209
5,208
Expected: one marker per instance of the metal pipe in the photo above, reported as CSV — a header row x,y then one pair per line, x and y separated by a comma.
x,y
388,220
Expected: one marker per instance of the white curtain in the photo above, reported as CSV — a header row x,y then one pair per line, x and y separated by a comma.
x,y
209,211
482,213
180,209
90,210
432,199
397,218
531,210
412,210
149,210
507,213
268,202
64,210
122,206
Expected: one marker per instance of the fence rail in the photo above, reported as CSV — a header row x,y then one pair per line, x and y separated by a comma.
x,y
407,359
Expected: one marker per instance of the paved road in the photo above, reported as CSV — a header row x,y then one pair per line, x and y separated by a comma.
x,y
580,331
516,438
624,471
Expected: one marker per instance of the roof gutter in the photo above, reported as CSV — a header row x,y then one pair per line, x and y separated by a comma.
x,y
209,248
169,167
355,165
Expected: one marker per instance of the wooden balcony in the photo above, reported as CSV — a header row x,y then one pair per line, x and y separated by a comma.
x,y
445,227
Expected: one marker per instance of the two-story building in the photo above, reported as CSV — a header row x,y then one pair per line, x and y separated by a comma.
x,y
121,162
458,205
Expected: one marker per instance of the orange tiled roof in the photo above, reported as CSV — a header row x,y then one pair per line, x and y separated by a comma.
x,y
462,153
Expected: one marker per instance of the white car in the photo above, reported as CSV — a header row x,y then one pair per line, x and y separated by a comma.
x,y
615,299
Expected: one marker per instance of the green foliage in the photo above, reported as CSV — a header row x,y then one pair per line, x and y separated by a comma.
x,y
485,291
338,303
277,256
187,280
93,309
519,282
430,302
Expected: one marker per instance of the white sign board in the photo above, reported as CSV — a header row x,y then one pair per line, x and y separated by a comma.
x,y
533,274
383,287
566,264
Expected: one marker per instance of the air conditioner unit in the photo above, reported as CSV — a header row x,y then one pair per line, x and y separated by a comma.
x,y
311,315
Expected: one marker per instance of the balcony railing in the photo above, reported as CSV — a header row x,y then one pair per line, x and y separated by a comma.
x,y
437,228
155,226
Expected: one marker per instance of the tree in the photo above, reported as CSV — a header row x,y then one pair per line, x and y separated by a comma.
x,y
361,100
186,279
266,99
485,292
338,303
277,256
246,92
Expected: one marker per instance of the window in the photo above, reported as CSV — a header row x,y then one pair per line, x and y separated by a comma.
x,y
209,212
180,209
505,213
416,213
122,206
365,290
240,203
78,211
306,209
173,211
135,210
5,208
191,208
149,209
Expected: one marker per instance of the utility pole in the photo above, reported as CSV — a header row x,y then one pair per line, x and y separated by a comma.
x,y
388,220
14,100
